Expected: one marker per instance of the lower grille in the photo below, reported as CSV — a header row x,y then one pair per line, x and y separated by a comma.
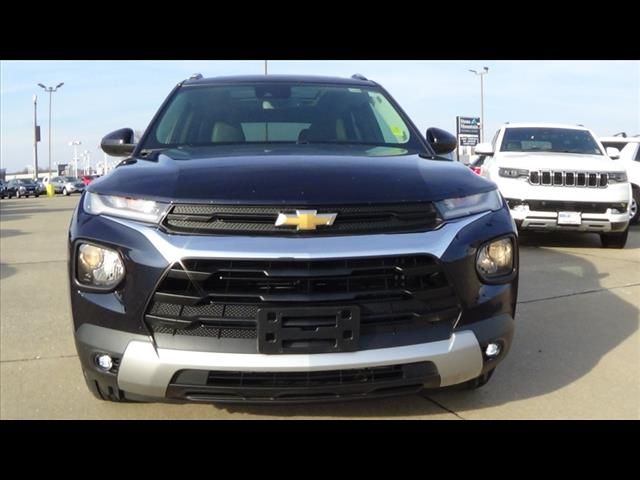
x,y
212,386
221,298
560,206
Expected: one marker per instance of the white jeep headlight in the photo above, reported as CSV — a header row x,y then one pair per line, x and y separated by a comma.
x,y
132,208
463,206
99,266
617,177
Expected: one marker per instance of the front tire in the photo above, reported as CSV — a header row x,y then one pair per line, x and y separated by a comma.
x,y
65,192
17,194
634,209
614,240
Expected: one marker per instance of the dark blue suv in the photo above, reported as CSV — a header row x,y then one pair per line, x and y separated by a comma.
x,y
288,239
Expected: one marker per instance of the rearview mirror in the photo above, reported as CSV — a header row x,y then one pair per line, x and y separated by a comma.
x,y
441,141
120,143
483,149
613,153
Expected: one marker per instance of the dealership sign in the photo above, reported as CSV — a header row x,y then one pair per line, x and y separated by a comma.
x,y
468,131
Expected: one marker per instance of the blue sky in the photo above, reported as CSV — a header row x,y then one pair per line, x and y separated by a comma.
x,y
101,96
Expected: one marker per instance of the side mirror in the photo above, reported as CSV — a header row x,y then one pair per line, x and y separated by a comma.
x,y
441,141
119,143
614,153
483,149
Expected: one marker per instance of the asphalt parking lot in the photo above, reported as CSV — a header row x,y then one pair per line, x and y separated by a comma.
x,y
576,352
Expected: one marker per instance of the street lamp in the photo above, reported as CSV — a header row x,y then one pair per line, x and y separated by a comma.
x,y
481,74
50,90
74,144
85,160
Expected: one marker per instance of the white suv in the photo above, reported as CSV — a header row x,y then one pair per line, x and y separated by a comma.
x,y
629,160
559,177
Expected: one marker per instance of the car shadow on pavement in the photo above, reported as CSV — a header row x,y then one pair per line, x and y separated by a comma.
x,y
6,271
559,338
12,213
8,232
571,239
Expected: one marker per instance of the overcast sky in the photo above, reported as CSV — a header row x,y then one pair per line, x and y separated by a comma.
x,y
101,96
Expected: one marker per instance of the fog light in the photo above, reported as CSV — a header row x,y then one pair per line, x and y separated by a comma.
x,y
495,258
99,267
492,350
104,361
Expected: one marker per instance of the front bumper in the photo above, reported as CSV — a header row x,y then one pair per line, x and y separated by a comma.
x,y
149,366
590,222
145,372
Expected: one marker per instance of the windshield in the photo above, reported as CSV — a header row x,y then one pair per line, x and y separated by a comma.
x,y
560,140
70,179
279,113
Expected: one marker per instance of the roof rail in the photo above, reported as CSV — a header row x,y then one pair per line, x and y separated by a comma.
x,y
196,76
621,134
359,76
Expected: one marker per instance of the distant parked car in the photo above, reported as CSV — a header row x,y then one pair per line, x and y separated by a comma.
x,y
87,179
476,162
3,189
67,185
22,187
42,185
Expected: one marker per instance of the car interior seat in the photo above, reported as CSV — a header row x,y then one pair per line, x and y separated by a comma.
x,y
227,132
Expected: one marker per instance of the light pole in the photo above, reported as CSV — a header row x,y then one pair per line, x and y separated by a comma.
x,y
74,144
265,67
36,135
87,162
50,90
482,73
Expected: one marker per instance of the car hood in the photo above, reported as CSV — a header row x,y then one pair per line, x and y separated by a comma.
x,y
300,176
557,161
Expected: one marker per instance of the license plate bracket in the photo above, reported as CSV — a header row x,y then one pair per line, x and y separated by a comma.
x,y
569,218
308,329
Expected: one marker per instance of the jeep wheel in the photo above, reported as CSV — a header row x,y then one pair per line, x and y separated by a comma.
x,y
65,191
634,212
614,240
479,381
17,194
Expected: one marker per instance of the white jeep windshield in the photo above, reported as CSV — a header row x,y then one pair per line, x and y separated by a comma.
x,y
558,140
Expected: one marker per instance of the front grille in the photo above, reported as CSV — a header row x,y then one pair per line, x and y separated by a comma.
x,y
569,179
221,298
260,220
561,206
386,380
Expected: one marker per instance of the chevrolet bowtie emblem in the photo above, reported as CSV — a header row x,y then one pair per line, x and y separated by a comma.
x,y
306,219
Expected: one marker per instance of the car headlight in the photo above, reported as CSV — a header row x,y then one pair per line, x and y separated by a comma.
x,y
513,172
463,206
495,258
132,208
99,266
617,177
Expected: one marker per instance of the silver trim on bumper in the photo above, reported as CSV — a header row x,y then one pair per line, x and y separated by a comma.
x,y
147,371
176,247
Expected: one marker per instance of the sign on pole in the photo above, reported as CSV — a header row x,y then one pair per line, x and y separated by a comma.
x,y
468,132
